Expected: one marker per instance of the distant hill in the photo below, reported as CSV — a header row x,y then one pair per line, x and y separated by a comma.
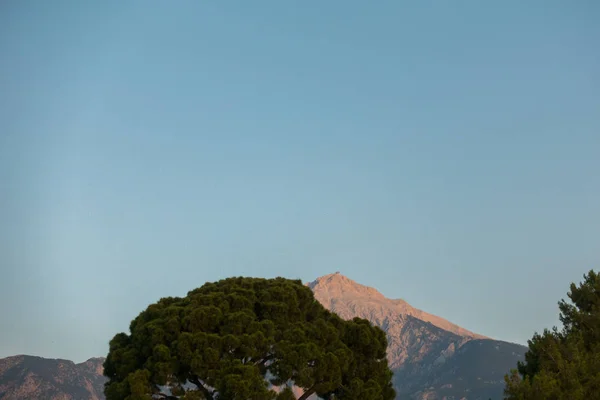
x,y
31,378
432,358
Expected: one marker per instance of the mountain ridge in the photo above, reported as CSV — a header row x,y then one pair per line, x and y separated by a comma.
x,y
347,287
33,377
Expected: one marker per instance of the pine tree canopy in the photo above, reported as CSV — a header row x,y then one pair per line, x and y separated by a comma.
x,y
242,338
565,364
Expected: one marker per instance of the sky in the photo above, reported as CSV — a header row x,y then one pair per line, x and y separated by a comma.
x,y
446,153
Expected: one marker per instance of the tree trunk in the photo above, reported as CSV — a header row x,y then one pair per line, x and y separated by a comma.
x,y
203,389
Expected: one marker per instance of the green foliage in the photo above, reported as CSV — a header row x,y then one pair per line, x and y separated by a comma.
x,y
230,339
564,365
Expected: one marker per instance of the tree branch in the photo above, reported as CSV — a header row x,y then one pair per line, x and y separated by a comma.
x,y
158,392
263,361
207,393
308,392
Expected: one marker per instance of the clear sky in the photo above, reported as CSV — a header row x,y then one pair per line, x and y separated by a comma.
x,y
444,152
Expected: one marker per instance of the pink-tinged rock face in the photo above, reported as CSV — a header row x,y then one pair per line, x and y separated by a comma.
x,y
412,334
94,365
344,294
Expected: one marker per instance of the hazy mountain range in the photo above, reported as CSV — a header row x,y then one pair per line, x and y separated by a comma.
x,y
432,358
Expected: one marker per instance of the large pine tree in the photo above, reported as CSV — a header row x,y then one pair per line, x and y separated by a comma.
x,y
565,364
229,340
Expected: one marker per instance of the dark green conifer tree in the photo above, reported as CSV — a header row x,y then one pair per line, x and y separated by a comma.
x,y
228,340
565,364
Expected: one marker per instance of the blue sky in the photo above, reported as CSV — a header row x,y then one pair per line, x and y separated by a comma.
x,y
447,153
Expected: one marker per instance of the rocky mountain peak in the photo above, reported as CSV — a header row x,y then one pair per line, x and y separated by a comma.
x,y
337,285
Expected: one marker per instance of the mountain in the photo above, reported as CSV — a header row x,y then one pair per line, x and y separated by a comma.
x,y
28,377
432,358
